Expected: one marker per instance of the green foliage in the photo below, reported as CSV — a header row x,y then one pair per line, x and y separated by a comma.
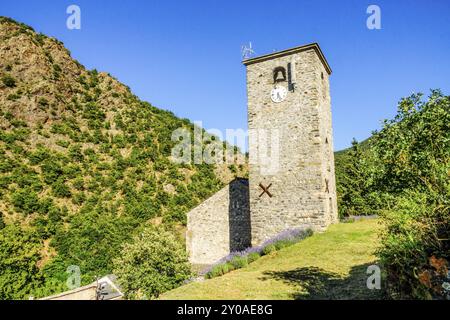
x,y
52,170
43,102
19,254
356,174
269,249
239,262
8,81
414,149
403,174
13,96
60,189
56,71
63,143
153,263
92,240
13,136
94,114
75,153
2,222
219,270
413,236
39,37
282,244
25,200
39,155
253,257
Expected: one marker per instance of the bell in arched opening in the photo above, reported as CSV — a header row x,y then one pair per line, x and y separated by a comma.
x,y
279,74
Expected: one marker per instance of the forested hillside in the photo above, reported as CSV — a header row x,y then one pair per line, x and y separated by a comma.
x,y
84,164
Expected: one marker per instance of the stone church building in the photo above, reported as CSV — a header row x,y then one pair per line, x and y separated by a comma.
x,y
288,96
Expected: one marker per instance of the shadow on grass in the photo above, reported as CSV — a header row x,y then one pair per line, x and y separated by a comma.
x,y
315,283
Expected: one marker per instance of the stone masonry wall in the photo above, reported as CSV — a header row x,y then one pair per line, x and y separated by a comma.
x,y
219,225
306,165
326,134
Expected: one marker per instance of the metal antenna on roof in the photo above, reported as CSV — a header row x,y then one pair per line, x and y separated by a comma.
x,y
247,51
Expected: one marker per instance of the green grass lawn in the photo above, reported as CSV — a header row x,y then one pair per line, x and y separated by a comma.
x,y
329,265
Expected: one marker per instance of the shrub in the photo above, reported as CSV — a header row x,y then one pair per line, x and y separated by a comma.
x,y
218,270
63,143
253,257
282,244
414,148
8,81
39,156
51,170
75,153
60,189
412,238
43,102
19,256
93,112
25,200
19,123
286,238
239,262
269,249
78,198
13,97
78,183
153,263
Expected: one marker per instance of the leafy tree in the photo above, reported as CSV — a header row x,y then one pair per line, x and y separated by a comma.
x,y
356,172
414,149
92,240
19,254
153,263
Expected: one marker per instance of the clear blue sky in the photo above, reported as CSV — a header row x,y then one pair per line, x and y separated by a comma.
x,y
185,56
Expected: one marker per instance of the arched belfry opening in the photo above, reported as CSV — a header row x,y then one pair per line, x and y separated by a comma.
x,y
279,74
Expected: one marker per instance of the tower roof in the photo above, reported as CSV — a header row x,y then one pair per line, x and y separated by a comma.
x,y
286,52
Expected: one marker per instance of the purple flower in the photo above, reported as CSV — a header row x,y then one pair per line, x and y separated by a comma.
x,y
289,235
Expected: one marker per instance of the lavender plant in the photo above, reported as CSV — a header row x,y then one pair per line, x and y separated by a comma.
x,y
240,259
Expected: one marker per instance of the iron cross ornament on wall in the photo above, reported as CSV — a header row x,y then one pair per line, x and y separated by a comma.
x,y
265,190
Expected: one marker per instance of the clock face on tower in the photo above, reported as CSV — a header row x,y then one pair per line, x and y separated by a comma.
x,y
278,94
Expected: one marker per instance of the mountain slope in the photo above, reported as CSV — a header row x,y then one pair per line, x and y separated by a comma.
x,y
83,165
330,265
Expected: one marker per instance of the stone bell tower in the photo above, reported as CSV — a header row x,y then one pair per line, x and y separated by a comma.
x,y
291,180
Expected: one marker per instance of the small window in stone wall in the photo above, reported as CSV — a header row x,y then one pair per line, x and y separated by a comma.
x,y
324,89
